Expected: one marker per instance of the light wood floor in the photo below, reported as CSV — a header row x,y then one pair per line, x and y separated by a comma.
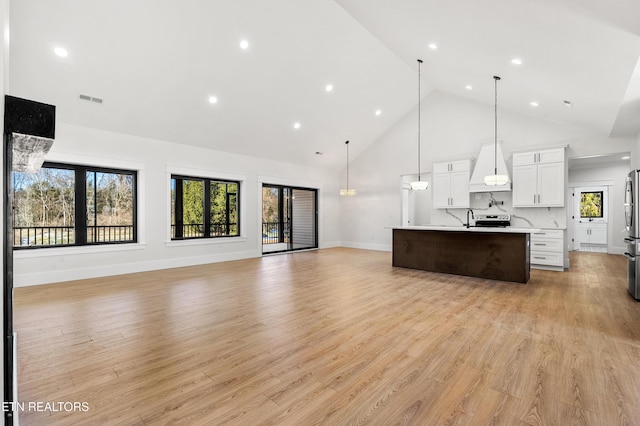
x,y
333,337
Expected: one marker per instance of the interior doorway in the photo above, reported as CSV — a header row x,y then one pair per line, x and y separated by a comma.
x,y
590,218
289,218
416,205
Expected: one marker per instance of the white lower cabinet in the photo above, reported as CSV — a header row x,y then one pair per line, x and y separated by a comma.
x,y
590,233
547,249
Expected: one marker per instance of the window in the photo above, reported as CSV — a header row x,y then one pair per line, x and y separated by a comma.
x,y
66,205
204,208
591,204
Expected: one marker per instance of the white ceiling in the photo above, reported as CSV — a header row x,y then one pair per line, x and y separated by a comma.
x,y
155,63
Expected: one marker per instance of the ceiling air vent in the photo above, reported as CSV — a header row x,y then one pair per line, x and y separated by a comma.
x,y
90,99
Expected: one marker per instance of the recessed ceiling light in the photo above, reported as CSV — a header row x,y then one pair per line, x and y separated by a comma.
x,y
61,51
329,87
213,100
468,87
244,45
433,46
378,112
626,157
567,103
296,125
516,61
534,103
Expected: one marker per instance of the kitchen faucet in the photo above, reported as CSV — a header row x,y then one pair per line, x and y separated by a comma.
x,y
472,217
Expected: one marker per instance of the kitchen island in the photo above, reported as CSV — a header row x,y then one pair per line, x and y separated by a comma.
x,y
493,253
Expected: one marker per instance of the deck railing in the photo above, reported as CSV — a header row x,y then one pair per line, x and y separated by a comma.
x,y
109,233
36,236
195,230
271,232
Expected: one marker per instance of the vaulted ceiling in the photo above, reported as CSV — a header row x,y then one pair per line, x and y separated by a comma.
x,y
155,64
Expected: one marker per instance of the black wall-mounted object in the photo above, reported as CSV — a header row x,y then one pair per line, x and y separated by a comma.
x,y
29,117
33,119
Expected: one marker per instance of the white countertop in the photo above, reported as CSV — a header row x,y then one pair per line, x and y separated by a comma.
x,y
505,230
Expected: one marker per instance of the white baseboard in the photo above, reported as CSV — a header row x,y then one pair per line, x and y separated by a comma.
x,y
330,244
49,277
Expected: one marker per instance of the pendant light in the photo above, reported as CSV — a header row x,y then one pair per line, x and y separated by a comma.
x,y
349,192
419,185
495,179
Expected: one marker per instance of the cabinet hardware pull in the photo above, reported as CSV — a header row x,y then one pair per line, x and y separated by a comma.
x,y
539,244
539,257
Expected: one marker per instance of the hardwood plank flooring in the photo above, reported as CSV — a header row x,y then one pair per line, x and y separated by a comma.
x,y
333,337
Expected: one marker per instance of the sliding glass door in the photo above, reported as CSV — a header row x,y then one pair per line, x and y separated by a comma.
x,y
289,218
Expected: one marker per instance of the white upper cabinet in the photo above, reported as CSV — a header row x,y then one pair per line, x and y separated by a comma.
x,y
538,178
451,184
555,155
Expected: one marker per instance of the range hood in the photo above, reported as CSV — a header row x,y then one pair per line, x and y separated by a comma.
x,y
485,166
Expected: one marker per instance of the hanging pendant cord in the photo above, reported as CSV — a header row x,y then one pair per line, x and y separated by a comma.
x,y
495,144
419,62
347,143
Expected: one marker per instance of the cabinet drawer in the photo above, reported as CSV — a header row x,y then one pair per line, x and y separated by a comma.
x,y
452,166
546,245
551,156
555,155
548,233
524,158
441,168
546,258
461,166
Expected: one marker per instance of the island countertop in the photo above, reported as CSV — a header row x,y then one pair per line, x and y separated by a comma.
x,y
506,229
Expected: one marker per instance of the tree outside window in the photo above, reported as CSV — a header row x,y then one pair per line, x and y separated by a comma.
x,y
591,204
188,204
63,205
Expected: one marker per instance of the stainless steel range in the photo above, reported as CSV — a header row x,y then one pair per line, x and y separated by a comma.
x,y
493,220
631,217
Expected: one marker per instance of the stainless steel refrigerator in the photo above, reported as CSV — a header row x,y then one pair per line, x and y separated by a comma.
x,y
631,219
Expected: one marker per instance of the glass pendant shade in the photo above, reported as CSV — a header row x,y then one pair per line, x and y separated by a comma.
x,y
419,185
495,179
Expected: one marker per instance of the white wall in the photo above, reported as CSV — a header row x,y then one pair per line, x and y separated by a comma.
x,y
613,176
452,128
635,159
156,160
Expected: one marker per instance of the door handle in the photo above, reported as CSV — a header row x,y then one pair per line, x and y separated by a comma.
x,y
629,257
629,240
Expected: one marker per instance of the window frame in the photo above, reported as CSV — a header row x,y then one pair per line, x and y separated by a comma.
x,y
177,208
80,204
602,206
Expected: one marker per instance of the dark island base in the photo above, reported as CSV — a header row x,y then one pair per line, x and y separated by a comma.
x,y
492,255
